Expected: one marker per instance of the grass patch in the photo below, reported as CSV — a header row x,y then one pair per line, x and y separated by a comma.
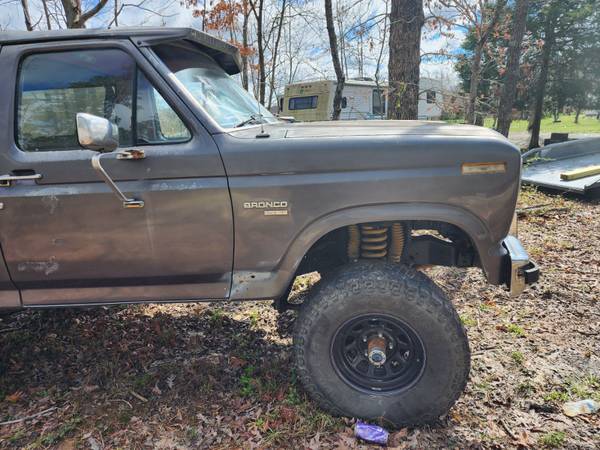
x,y
293,396
248,382
467,321
553,439
557,396
515,329
254,316
576,388
583,388
143,381
17,436
517,357
57,435
566,125
216,317
525,389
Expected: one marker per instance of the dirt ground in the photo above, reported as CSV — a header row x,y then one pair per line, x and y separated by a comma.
x,y
220,375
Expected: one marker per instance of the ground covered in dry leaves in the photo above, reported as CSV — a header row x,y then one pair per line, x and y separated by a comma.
x,y
220,376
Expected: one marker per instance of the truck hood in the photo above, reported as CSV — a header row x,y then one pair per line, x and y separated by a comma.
x,y
384,127
367,128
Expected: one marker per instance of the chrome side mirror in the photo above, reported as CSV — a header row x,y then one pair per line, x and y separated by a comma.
x,y
100,135
96,133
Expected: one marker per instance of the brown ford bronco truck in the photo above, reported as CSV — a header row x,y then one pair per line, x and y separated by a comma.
x,y
134,168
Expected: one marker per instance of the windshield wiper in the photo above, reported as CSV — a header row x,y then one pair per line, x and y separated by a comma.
x,y
251,119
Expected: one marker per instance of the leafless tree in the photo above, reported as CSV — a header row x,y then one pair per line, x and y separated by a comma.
x,y
258,8
479,17
147,9
47,14
509,89
27,15
335,57
540,83
379,59
275,50
74,14
245,42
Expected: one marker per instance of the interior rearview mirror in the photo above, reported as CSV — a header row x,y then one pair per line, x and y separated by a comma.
x,y
97,133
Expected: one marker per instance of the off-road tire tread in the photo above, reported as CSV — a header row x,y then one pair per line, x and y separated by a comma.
x,y
400,281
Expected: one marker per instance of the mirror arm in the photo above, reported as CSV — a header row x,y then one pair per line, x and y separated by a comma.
x,y
127,202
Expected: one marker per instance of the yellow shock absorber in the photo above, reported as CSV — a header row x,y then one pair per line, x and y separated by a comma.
x,y
353,242
397,244
374,241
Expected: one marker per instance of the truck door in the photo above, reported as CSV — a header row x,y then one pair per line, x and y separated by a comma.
x,y
67,239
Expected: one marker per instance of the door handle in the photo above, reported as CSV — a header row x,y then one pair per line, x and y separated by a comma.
x,y
6,180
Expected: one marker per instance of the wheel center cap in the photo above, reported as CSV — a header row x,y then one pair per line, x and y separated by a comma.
x,y
376,351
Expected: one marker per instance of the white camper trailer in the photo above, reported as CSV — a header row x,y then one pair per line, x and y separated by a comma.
x,y
361,99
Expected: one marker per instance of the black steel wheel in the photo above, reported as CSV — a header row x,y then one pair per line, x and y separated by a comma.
x,y
376,352
381,341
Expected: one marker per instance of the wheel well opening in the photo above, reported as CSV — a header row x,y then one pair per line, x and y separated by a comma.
x,y
414,242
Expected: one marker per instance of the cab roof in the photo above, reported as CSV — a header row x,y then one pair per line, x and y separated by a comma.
x,y
226,55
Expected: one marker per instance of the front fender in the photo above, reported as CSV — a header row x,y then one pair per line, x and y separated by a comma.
x,y
272,284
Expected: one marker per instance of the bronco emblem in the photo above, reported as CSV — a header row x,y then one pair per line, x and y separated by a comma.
x,y
270,208
265,204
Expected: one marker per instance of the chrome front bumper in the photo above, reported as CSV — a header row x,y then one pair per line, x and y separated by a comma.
x,y
521,271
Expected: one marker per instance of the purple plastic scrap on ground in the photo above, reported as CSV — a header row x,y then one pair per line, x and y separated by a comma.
x,y
371,433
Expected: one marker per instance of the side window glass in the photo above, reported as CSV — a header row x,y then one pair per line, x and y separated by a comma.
x,y
156,121
54,87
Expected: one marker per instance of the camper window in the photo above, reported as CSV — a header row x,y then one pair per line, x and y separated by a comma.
x,y
430,96
309,102
378,102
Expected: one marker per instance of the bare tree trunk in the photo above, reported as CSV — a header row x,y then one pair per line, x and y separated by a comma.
x,y
335,57
577,112
262,75
275,51
74,15
246,13
509,89
116,13
382,97
27,15
72,9
540,89
47,14
474,86
486,30
406,21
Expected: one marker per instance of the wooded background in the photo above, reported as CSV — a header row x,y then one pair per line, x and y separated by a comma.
x,y
502,59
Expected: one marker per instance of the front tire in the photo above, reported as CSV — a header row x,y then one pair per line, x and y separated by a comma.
x,y
381,341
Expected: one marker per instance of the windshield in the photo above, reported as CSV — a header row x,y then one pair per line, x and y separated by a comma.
x,y
222,97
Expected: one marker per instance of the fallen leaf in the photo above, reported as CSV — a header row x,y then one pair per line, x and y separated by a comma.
x,y
236,362
14,397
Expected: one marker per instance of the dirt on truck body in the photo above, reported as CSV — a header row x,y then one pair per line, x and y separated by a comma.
x,y
136,169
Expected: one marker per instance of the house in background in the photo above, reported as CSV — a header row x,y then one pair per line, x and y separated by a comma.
x,y
361,99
